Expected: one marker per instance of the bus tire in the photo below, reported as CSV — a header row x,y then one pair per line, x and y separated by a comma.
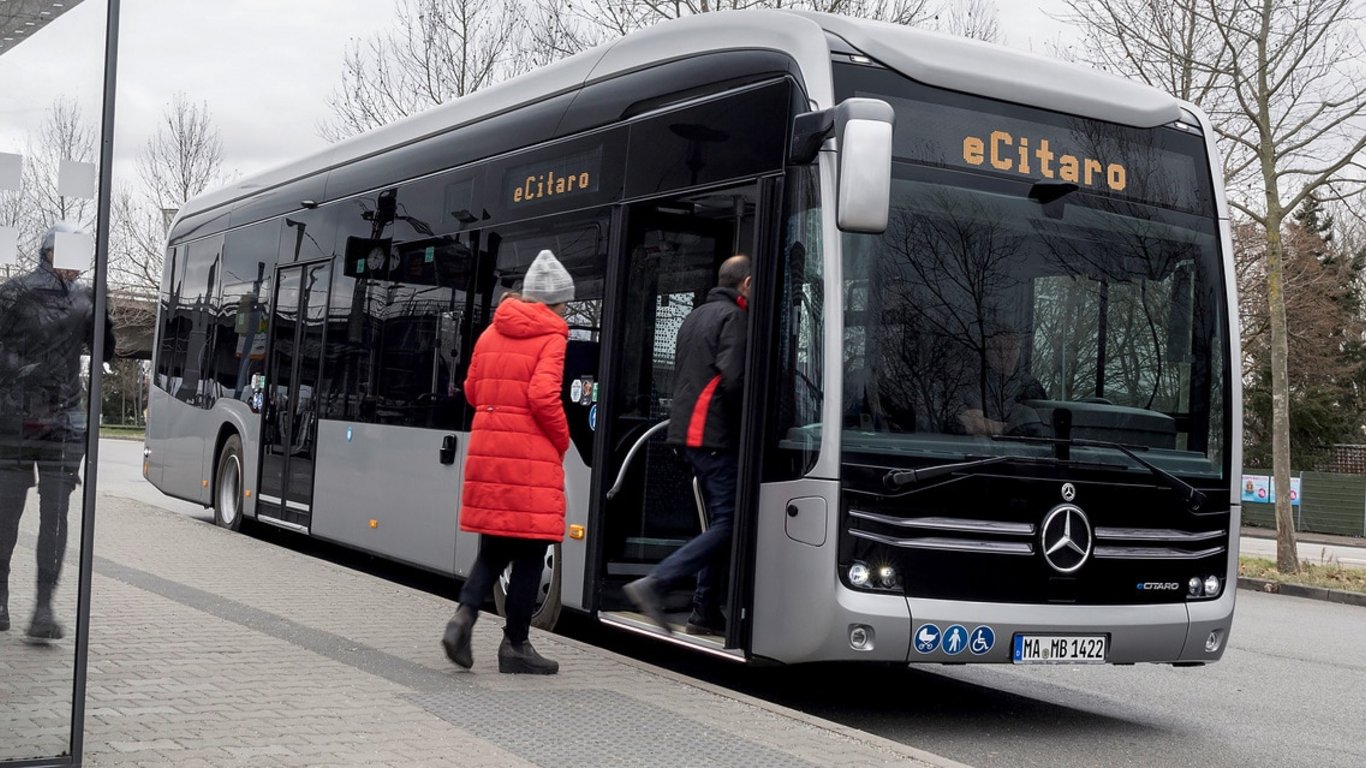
x,y
548,598
227,485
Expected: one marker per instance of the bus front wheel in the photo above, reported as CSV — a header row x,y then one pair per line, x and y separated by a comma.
x,y
227,495
547,594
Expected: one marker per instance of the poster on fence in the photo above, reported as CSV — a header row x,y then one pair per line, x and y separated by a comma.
x,y
1261,489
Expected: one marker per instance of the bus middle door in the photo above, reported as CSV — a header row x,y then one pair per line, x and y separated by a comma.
x,y
293,369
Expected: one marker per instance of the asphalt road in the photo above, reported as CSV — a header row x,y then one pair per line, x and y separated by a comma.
x,y
1290,690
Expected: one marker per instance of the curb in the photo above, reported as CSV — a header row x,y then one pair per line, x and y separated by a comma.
x,y
1299,590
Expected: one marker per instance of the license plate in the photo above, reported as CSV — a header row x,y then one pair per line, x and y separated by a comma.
x,y
1061,649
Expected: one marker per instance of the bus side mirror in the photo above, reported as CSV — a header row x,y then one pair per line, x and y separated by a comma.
x,y
863,134
863,128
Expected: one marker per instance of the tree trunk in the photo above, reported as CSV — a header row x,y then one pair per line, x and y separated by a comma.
x,y
1287,559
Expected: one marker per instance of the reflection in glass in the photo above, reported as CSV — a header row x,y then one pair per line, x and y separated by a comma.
x,y
996,305
49,161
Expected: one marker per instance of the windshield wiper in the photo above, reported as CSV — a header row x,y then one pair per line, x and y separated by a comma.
x,y
900,478
1192,496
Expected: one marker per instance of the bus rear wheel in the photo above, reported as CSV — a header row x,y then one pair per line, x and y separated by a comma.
x,y
227,493
547,595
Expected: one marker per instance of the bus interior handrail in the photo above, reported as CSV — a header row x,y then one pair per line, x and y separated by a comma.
x,y
631,454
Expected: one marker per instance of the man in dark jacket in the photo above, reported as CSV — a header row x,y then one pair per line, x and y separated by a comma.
x,y
705,420
46,323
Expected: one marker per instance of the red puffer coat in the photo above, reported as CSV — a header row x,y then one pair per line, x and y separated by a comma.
x,y
514,471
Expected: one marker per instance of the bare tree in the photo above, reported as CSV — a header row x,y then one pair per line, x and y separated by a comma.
x,y
975,19
571,27
184,156
439,50
1296,123
1164,43
64,136
1284,88
180,160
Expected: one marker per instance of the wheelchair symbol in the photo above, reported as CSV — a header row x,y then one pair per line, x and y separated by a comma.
x,y
982,640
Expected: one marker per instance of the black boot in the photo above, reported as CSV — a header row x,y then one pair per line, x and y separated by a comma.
x,y
44,625
456,641
522,659
704,622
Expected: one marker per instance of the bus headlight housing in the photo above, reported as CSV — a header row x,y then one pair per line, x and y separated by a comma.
x,y
876,576
1211,586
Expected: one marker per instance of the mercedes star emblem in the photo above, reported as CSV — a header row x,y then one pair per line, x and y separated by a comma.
x,y
1069,492
1066,537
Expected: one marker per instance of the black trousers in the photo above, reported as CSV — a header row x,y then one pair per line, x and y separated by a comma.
x,y
58,465
527,557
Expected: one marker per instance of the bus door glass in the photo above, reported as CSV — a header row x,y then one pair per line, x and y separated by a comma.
x,y
289,416
672,254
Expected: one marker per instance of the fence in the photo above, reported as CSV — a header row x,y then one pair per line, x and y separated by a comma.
x,y
1330,502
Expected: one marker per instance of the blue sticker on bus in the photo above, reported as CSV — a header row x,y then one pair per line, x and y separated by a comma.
x,y
955,639
593,418
982,640
927,639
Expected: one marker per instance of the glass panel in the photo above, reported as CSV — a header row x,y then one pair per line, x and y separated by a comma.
x,y
801,326
397,311
1002,301
50,128
580,243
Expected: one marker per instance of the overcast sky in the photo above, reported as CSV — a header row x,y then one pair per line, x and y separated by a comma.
x,y
264,67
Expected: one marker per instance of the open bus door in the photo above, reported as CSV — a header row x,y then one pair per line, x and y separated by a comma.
x,y
646,503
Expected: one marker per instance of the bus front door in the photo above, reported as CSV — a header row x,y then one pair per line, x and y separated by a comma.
x,y
648,502
289,416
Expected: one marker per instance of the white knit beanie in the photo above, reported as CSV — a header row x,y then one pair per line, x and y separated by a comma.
x,y
547,281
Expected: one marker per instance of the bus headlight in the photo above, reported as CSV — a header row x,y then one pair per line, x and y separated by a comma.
x,y
886,576
1194,586
1211,586
858,575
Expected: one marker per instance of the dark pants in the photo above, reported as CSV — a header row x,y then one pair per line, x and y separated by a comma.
x,y
58,464
528,562
718,473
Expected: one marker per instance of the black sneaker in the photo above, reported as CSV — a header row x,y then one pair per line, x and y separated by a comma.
x,y
44,625
702,624
644,593
522,659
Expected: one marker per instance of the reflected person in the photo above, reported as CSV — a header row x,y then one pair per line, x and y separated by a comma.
x,y
47,322
997,403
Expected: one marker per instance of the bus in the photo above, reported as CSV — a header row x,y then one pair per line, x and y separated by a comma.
x,y
991,408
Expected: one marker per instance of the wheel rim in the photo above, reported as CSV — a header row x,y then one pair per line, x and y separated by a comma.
x,y
547,575
230,490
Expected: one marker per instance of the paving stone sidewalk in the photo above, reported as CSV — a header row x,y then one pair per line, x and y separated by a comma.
x,y
209,648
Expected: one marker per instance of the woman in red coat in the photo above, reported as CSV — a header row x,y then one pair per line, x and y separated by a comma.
x,y
514,472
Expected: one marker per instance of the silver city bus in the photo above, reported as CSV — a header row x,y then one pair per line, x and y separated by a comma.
x,y
991,410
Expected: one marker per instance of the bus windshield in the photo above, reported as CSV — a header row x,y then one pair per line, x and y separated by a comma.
x,y
1042,276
